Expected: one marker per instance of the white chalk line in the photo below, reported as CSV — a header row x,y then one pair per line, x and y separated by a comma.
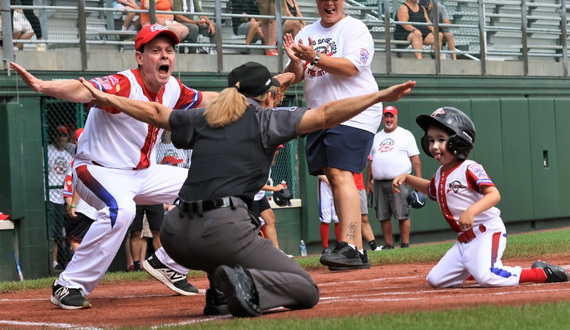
x,y
46,324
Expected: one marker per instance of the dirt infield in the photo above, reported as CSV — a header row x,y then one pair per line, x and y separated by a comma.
x,y
381,289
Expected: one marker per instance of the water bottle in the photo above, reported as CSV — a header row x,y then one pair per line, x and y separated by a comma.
x,y
284,184
303,249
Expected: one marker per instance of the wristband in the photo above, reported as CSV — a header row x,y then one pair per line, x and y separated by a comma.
x,y
73,206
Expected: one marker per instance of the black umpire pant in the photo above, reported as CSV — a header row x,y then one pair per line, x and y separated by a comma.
x,y
226,236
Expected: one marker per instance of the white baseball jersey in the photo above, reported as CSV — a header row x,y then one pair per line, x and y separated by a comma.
x,y
115,169
391,152
115,140
456,190
59,164
350,39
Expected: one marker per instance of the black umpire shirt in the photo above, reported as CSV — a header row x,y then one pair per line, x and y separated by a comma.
x,y
233,160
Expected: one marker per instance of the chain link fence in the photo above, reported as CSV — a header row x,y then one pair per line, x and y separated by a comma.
x,y
60,119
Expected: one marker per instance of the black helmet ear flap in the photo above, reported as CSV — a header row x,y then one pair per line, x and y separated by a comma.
x,y
425,145
458,147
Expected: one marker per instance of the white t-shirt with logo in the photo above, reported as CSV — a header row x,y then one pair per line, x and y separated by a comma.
x,y
391,152
350,39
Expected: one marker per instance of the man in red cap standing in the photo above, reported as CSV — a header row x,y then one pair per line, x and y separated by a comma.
x,y
394,152
114,169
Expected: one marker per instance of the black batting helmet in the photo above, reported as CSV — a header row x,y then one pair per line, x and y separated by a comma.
x,y
282,197
416,199
461,128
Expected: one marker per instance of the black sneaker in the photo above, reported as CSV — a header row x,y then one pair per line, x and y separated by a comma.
x,y
216,303
343,255
239,289
363,258
404,245
68,298
326,250
387,247
553,273
173,280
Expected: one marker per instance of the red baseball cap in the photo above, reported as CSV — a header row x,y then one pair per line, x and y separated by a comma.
x,y
281,146
63,130
171,160
149,32
390,109
78,133
4,216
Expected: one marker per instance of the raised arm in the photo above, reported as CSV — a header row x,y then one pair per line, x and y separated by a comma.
x,y
335,112
69,90
152,113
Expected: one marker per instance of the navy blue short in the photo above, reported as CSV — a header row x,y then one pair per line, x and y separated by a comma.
x,y
342,147
154,215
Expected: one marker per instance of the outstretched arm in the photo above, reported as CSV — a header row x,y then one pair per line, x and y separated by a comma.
x,y
335,112
69,90
419,184
152,113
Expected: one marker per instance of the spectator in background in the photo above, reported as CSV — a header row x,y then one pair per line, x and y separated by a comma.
x,y
411,11
327,213
33,20
367,232
59,164
202,26
246,26
268,25
164,19
292,26
80,215
168,154
393,152
154,215
443,18
126,4
22,29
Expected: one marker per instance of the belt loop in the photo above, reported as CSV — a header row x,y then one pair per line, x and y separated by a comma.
x,y
200,208
233,205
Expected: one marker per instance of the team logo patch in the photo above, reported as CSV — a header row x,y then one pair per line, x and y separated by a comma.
x,y
364,55
106,82
386,145
478,170
438,112
455,186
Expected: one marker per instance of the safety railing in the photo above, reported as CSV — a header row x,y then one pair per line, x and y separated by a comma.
x,y
484,30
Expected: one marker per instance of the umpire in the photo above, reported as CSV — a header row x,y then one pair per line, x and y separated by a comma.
x,y
233,143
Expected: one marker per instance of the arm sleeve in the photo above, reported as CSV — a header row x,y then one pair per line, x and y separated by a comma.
x,y
358,46
279,125
182,124
477,177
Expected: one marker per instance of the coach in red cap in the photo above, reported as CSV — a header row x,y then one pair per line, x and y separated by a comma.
x,y
114,166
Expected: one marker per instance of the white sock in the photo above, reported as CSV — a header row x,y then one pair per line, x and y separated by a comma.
x,y
352,245
123,28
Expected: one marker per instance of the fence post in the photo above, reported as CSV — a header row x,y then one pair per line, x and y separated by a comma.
x,y
387,36
524,25
82,24
7,28
219,50
563,37
482,38
437,45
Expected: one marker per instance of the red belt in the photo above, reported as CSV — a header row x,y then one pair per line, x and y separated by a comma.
x,y
469,235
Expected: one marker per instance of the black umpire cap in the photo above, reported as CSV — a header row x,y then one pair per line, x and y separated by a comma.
x,y
254,79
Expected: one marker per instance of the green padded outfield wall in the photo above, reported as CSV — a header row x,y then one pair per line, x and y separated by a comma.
x,y
522,140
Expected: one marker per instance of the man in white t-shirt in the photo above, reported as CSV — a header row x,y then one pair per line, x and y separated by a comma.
x,y
393,152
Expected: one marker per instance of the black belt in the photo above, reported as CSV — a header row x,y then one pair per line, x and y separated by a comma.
x,y
204,206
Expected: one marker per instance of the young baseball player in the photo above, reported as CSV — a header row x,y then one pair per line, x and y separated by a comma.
x,y
115,165
467,198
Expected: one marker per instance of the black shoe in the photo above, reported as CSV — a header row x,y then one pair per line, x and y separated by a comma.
x,y
216,303
173,280
404,245
387,247
326,251
239,289
553,273
343,255
363,258
68,298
